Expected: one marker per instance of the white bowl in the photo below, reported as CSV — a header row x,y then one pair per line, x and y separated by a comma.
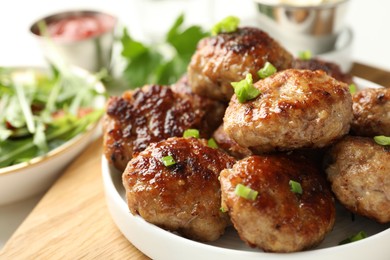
x,y
26,179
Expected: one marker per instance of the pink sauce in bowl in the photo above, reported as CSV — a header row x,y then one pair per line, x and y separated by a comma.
x,y
76,25
81,38
80,27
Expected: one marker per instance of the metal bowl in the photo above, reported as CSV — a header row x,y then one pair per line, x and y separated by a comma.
x,y
92,53
303,27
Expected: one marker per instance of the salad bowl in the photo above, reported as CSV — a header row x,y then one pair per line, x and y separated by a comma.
x,y
22,177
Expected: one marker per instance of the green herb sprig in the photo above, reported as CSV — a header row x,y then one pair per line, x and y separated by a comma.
x,y
149,64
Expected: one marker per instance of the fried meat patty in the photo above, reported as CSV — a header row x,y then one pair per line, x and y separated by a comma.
x,y
151,114
295,109
228,57
332,69
359,172
278,220
371,112
229,145
184,197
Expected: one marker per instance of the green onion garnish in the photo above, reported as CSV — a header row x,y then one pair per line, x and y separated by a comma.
x,y
305,55
295,187
226,25
168,160
191,133
245,192
245,90
223,210
267,70
352,88
382,140
212,143
359,236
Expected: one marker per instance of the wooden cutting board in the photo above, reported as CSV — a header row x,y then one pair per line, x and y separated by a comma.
x,y
72,220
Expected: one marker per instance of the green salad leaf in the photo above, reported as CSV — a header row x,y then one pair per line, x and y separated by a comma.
x,y
40,111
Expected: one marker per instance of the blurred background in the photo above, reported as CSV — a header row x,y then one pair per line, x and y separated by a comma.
x,y
368,21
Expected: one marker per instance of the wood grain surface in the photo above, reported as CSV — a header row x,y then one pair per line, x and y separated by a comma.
x,y
72,220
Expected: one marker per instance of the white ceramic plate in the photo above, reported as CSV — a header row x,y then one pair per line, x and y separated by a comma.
x,y
160,244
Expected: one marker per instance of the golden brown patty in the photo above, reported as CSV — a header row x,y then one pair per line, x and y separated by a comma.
x,y
229,145
228,57
184,197
332,69
152,114
359,172
296,109
278,220
371,112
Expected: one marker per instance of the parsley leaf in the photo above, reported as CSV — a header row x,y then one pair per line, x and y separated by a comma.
x,y
152,65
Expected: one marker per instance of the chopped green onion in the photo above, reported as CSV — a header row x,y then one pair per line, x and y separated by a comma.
x,y
382,140
226,25
223,210
352,88
305,55
245,192
359,236
245,89
168,160
212,143
191,133
267,70
295,187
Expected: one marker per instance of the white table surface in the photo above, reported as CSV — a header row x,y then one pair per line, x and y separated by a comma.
x,y
369,21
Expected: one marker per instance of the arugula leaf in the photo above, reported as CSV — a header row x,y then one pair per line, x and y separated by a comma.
x,y
153,65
